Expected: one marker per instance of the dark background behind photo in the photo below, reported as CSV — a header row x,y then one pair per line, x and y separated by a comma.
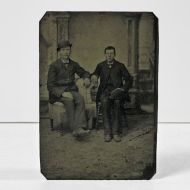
x,y
19,164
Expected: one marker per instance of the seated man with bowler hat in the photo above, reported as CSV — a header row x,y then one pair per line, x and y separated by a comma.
x,y
62,88
115,82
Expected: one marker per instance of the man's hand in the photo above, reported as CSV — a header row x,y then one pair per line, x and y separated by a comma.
x,y
94,78
86,82
94,81
67,95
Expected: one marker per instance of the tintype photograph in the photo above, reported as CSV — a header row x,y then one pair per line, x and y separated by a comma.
x,y
98,95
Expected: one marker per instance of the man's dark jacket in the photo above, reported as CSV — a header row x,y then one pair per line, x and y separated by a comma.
x,y
61,78
118,74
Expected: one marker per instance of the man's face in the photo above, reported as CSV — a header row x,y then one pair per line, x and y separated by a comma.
x,y
64,53
110,55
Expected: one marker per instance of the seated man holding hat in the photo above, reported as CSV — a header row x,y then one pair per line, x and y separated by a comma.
x,y
62,88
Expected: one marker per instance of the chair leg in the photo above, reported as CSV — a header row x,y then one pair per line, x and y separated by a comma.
x,y
62,129
99,119
94,122
90,123
51,124
97,115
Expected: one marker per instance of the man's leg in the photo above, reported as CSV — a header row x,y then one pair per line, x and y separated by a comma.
x,y
90,114
106,108
76,120
70,110
116,120
80,115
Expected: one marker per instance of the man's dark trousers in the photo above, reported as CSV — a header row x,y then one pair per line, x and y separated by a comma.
x,y
111,115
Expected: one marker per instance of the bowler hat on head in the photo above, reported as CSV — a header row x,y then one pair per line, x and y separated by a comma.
x,y
63,44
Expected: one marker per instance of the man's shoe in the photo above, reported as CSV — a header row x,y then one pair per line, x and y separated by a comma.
x,y
107,138
80,132
116,138
75,134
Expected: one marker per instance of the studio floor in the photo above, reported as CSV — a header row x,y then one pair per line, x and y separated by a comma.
x,y
65,157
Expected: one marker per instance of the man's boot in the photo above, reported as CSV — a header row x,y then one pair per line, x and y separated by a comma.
x,y
107,138
116,138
